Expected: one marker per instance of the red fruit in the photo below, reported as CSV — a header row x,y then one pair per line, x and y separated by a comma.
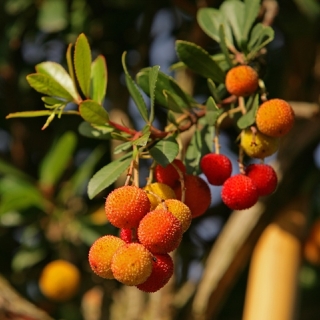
x,y
126,235
160,231
162,271
216,167
125,206
197,194
239,192
264,177
169,174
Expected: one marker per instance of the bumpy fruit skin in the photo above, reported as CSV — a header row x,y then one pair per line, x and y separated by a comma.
x,y
275,118
180,210
101,253
157,192
216,167
242,81
264,177
258,145
126,235
239,192
169,174
162,271
132,264
59,280
197,194
125,206
160,231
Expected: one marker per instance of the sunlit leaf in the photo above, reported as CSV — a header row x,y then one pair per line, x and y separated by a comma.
x,y
165,151
60,75
223,46
99,79
153,77
122,147
82,63
260,36
40,113
199,60
45,84
92,112
134,91
56,160
107,175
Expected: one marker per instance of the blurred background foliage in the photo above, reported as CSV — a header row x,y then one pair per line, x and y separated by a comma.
x,y
45,213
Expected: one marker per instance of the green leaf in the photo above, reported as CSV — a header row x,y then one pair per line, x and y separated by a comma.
x,y
60,75
213,89
40,113
167,83
260,36
70,62
95,131
143,140
17,195
108,175
80,178
45,84
82,63
249,118
27,257
8,169
92,112
213,112
122,147
172,102
165,151
210,20
52,101
153,77
99,79
223,46
56,160
199,60
251,9
134,91
234,13
52,16
201,143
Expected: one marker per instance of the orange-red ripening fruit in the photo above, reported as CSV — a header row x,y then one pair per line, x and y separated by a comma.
x,y
197,194
162,271
275,118
160,231
59,280
239,192
126,235
132,264
169,174
101,253
180,210
126,206
242,81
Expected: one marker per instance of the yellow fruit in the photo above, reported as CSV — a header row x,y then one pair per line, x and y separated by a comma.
x,y
101,253
180,210
59,280
132,264
258,145
275,118
157,192
242,81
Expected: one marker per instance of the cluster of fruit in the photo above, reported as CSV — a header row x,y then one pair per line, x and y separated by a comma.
x,y
151,222
274,119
